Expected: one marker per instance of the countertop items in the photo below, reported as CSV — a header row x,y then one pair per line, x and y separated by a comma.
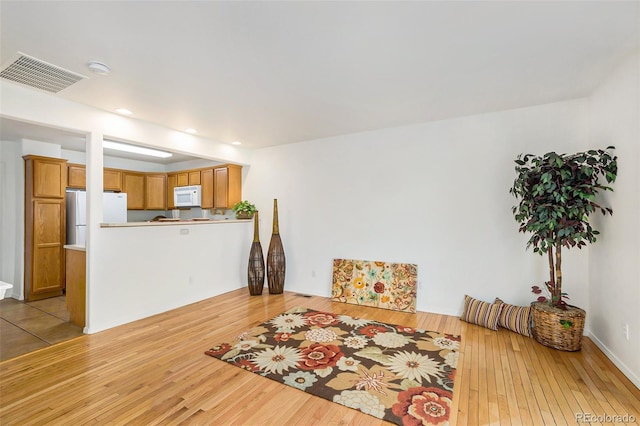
x,y
173,222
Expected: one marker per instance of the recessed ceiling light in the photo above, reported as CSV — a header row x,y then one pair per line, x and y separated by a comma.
x,y
190,130
135,149
98,68
123,111
236,143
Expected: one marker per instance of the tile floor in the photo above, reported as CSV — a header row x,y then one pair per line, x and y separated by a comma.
x,y
28,326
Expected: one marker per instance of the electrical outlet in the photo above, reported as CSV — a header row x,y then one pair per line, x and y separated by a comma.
x,y
184,232
625,331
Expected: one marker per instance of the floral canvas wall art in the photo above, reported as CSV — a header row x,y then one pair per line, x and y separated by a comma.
x,y
373,283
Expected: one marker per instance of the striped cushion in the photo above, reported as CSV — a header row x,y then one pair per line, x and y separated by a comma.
x,y
481,313
515,318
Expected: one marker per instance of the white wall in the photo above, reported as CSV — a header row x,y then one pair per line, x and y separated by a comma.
x,y
143,271
434,194
11,214
614,261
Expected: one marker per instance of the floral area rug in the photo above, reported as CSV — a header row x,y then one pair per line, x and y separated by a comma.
x,y
399,374
377,284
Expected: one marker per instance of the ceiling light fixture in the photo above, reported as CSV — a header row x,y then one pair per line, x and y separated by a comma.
x,y
135,149
190,130
123,111
98,68
236,143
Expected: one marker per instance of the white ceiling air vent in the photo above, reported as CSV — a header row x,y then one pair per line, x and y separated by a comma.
x,y
39,74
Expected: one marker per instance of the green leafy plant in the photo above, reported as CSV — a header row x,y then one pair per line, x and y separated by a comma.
x,y
557,194
244,207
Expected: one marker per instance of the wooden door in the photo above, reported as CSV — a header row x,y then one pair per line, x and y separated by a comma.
x,y
133,186
76,176
155,192
112,180
227,186
172,182
183,179
46,266
194,177
207,188
49,177
76,272
220,188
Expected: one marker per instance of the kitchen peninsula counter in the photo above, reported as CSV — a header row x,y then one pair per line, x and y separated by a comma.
x,y
174,223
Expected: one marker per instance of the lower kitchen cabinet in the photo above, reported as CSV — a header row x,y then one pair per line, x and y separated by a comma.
x,y
76,273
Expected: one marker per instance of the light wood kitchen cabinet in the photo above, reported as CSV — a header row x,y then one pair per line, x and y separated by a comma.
x,y
76,278
133,185
183,179
155,191
112,180
76,176
172,182
47,176
206,180
227,186
188,177
45,227
194,177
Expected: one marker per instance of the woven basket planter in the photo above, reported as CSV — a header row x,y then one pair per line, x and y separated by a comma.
x,y
244,215
557,328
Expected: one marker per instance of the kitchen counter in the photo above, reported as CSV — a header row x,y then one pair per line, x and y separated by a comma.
x,y
75,247
173,222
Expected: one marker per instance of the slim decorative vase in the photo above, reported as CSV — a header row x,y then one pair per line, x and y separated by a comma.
x,y
275,257
255,272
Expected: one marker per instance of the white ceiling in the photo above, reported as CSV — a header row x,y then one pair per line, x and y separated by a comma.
x,y
269,73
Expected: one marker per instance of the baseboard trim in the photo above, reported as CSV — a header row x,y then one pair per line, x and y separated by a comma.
x,y
616,361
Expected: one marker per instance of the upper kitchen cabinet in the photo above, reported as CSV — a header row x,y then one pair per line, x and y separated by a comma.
x,y
112,180
194,177
45,227
133,185
77,178
227,186
206,180
172,182
155,189
188,177
47,176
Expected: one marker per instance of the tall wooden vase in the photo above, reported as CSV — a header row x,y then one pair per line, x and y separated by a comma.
x,y
275,257
255,271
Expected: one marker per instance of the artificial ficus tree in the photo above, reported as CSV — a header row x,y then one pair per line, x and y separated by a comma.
x,y
557,193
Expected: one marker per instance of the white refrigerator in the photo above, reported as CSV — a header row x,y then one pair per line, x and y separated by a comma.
x,y
114,210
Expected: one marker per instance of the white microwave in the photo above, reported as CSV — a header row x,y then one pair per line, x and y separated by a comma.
x,y
187,196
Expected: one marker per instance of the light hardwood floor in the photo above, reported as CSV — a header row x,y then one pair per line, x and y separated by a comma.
x,y
154,371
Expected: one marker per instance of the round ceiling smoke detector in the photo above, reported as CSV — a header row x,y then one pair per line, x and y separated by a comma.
x,y
99,68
